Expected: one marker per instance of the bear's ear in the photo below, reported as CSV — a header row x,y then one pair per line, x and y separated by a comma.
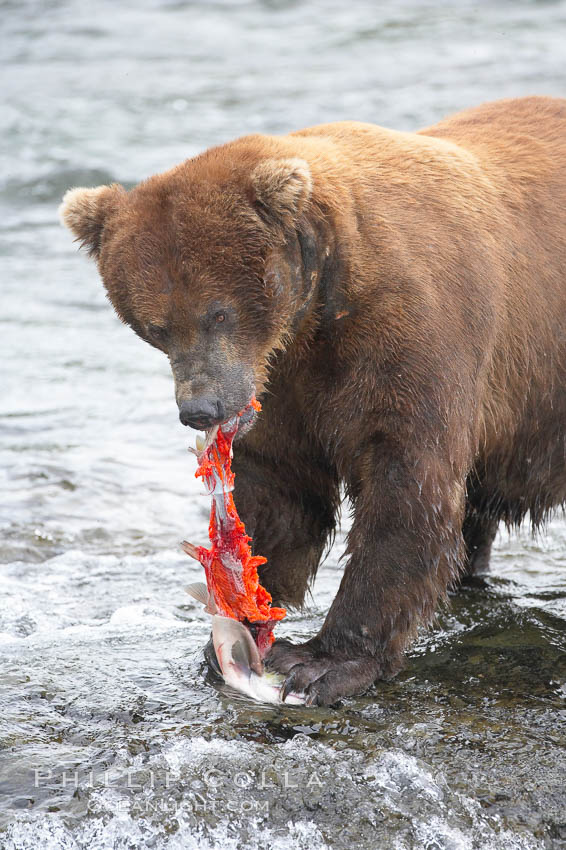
x,y
84,212
282,187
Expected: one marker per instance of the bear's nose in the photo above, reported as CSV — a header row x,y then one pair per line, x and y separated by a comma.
x,y
202,412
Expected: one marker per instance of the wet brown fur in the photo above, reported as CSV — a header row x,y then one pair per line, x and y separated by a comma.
x,y
401,302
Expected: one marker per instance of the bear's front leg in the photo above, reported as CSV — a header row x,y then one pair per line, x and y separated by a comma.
x,y
288,504
405,549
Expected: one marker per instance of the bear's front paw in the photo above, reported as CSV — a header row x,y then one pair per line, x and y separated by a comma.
x,y
324,678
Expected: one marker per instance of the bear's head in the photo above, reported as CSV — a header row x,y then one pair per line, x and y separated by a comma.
x,y
213,262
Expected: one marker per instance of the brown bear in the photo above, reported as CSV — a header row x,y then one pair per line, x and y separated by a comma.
x,y
398,303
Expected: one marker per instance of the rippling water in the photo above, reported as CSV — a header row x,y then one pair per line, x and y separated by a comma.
x,y
110,734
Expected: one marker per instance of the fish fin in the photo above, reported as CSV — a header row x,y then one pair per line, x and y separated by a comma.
x,y
199,591
190,549
211,607
225,630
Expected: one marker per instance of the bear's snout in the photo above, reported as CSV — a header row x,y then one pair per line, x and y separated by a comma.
x,y
202,412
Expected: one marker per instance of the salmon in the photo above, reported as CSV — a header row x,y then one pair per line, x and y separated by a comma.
x,y
243,617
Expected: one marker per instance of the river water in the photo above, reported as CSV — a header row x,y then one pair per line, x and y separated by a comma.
x,y
111,733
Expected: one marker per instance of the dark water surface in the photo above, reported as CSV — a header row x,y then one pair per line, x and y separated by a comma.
x,y
109,735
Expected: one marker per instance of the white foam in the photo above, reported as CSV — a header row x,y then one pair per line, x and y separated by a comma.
x,y
396,772
198,750
123,832
397,776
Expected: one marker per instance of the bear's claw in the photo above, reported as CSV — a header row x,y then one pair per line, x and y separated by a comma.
x,y
323,678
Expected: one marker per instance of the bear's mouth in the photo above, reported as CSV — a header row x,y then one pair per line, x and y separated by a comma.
x,y
241,423
247,420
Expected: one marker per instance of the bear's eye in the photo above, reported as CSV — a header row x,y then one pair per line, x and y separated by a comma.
x,y
217,315
156,333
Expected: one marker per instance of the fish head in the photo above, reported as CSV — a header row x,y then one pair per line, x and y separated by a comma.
x,y
235,648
